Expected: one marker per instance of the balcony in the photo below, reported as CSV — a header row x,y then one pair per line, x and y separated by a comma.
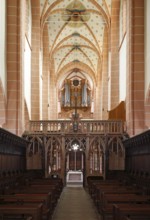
x,y
82,126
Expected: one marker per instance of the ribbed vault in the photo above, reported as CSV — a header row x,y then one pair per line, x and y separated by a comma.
x,y
76,30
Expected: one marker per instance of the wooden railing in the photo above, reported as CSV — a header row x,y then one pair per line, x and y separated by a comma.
x,y
67,126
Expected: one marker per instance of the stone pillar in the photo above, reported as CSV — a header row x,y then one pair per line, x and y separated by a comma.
x,y
135,67
45,92
104,87
35,61
53,93
114,39
98,94
15,46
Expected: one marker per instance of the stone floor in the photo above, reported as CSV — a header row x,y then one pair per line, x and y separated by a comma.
x,y
75,204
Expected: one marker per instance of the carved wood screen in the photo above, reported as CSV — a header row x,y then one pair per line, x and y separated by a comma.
x,y
96,152
95,155
53,155
75,159
116,154
35,153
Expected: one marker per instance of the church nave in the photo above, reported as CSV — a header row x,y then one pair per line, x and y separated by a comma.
x,y
75,203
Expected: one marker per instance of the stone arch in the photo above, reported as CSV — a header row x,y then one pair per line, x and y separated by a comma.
x,y
81,66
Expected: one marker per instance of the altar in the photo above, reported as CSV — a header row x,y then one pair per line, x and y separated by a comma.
x,y
74,179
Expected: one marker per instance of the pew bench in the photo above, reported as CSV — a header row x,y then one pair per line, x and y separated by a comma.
x,y
15,217
45,197
56,185
106,205
135,218
40,190
113,190
94,185
33,192
12,210
131,212
26,199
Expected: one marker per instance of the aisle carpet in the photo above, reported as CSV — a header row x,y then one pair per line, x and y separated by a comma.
x,y
75,204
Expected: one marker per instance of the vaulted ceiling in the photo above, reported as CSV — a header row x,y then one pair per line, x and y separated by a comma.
x,y
76,31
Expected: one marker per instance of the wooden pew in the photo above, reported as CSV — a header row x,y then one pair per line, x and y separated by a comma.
x,y
32,210
110,198
43,182
97,188
106,207
42,198
116,192
14,217
23,199
46,196
115,184
94,184
43,190
135,218
112,190
132,212
40,190
107,193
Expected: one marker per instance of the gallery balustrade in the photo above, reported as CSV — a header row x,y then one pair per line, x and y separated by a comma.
x,y
82,126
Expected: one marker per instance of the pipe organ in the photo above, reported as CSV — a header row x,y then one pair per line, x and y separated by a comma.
x,y
71,91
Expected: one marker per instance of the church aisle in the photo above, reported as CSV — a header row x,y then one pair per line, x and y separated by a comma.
x,y
75,204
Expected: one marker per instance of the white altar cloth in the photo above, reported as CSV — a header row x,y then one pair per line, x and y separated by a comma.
x,y
74,178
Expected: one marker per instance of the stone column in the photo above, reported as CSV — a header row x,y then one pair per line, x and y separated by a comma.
x,y
15,46
98,94
104,86
114,42
46,84
135,67
53,93
35,61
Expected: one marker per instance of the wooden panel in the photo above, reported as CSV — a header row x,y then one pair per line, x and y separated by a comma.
x,y
12,162
118,113
138,152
